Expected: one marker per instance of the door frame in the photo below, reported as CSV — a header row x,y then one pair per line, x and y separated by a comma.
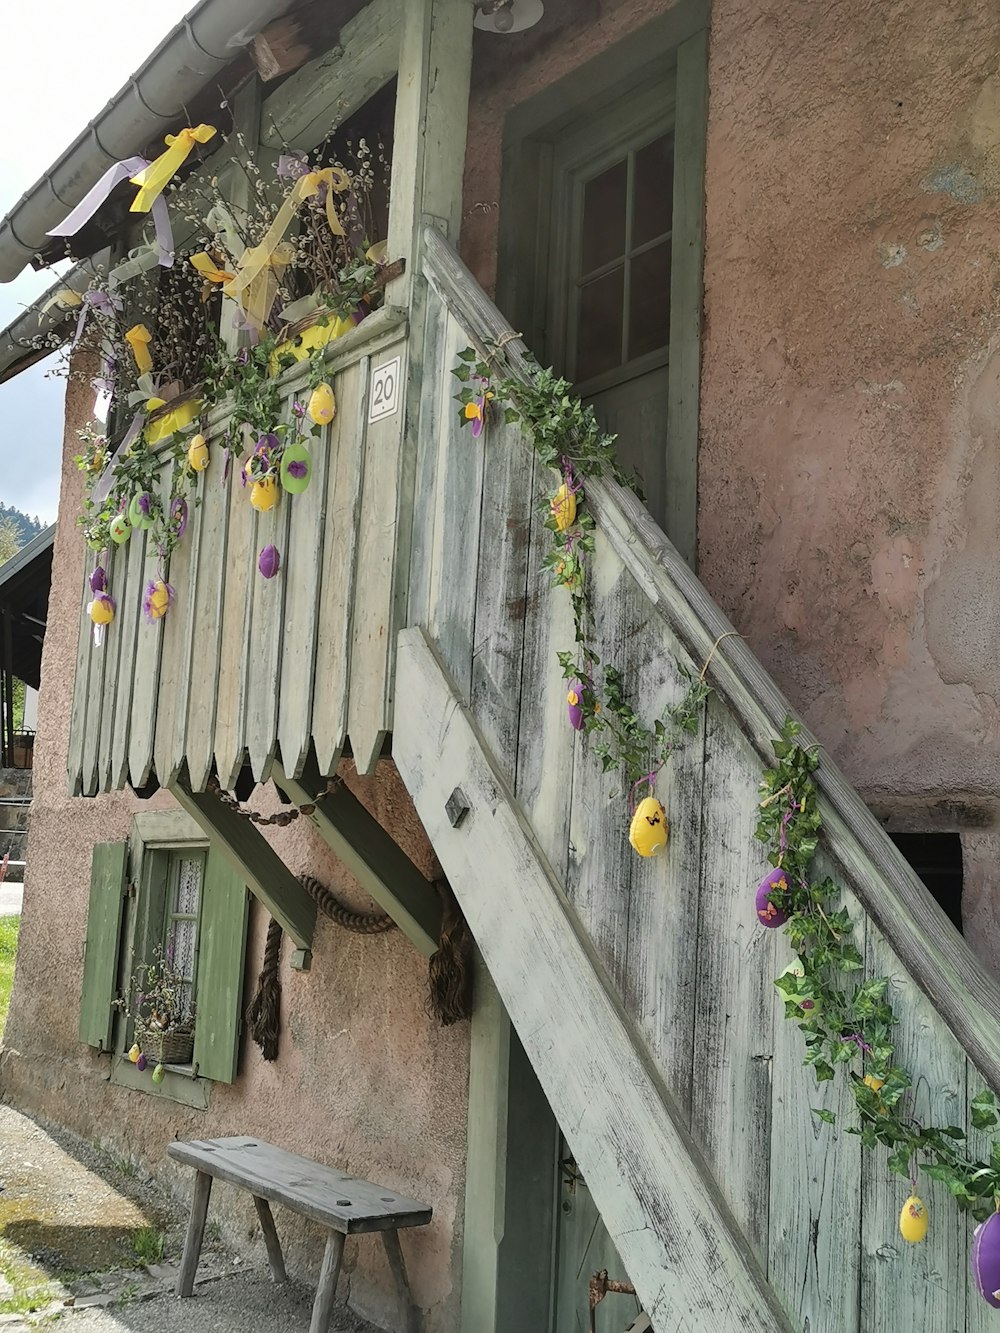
x,y
673,46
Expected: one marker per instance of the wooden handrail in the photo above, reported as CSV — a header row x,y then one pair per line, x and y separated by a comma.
x,y
962,990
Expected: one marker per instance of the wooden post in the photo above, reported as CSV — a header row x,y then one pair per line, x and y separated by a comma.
x,y
275,1259
327,1285
8,691
372,855
263,871
390,1239
195,1234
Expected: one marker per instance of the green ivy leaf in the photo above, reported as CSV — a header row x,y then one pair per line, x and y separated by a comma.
x,y
827,1117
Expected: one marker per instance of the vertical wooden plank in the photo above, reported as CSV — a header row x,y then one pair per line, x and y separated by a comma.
x,y
686,295
923,1283
146,686
346,447
100,963
373,628
262,670
118,585
979,1317
814,1224
127,619
210,586
424,412
305,559
459,500
736,1003
81,690
222,935
96,694
175,654
240,565
501,589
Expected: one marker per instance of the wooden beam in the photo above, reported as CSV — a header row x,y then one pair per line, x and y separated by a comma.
x,y
325,92
371,854
265,874
664,1212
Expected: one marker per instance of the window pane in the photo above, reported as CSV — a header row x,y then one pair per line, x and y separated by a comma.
x,y
180,949
653,198
599,325
188,887
649,295
603,218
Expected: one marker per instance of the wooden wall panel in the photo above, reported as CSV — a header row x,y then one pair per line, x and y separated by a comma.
x,y
209,594
176,630
230,713
127,624
81,685
146,677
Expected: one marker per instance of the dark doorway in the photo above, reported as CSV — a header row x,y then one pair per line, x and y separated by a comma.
x,y
937,859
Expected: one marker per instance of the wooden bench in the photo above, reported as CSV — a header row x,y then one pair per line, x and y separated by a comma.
x,y
345,1206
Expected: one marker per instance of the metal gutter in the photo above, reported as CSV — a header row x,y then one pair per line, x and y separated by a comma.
x,y
149,105
17,349
21,559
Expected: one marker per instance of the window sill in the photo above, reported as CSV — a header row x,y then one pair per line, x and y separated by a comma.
x,y
179,1083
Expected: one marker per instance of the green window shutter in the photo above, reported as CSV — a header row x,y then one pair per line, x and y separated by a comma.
x,y
222,935
104,930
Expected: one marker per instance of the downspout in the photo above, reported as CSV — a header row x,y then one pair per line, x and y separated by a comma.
x,y
150,104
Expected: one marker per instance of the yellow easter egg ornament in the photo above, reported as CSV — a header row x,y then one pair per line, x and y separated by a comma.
x,y
876,1084
913,1220
648,831
134,1054
264,494
563,506
102,610
198,454
322,405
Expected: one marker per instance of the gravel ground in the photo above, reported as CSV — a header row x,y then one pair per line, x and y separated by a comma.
x,y
69,1213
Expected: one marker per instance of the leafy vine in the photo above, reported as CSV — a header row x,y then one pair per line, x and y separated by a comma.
x,y
567,438
847,1022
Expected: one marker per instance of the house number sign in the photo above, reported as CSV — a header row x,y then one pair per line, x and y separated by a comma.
x,y
385,390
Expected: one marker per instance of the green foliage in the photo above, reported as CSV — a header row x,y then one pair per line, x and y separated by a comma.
x,y
9,926
566,437
849,1023
19,525
148,1243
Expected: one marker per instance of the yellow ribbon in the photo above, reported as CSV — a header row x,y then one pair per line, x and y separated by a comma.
x,y
206,266
139,338
154,179
170,422
257,259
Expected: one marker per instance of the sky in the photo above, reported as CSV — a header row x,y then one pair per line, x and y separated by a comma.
x,y
57,77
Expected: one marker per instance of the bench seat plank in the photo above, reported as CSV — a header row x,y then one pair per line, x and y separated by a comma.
x,y
328,1196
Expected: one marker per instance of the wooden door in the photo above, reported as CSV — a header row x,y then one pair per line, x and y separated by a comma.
x,y
583,1248
610,256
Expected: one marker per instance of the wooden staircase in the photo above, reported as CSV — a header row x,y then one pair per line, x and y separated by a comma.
x,y
643,991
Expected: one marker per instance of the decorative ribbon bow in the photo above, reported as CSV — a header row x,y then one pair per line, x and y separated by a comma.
x,y
126,169
210,272
105,302
257,259
153,179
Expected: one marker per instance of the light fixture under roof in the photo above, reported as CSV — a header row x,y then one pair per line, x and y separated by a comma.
x,y
505,16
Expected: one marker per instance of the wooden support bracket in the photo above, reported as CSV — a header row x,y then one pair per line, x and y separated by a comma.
x,y
372,856
266,875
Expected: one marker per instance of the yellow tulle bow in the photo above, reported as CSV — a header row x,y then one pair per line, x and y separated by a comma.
x,y
154,179
139,338
257,259
210,272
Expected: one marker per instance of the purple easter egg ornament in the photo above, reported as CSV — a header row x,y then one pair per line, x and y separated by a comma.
x,y
140,1064
574,704
179,515
98,580
768,913
986,1260
269,561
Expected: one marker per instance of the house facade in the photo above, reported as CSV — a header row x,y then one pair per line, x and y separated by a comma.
x,y
759,244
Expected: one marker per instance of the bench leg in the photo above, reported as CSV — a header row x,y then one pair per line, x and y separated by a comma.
x,y
390,1239
274,1256
195,1234
327,1285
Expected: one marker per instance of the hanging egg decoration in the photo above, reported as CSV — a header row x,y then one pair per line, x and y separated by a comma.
x,y
140,1063
102,609
134,1053
913,1220
120,529
322,405
264,494
140,510
810,1007
179,515
769,914
157,600
986,1260
296,468
563,507
159,1074
574,703
98,580
198,454
269,561
648,831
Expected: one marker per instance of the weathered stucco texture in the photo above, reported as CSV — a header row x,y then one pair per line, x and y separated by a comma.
x,y
364,1078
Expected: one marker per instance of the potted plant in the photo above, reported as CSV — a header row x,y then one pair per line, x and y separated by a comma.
x,y
160,1006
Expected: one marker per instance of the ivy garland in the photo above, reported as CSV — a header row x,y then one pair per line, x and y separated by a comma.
x,y
567,438
848,1024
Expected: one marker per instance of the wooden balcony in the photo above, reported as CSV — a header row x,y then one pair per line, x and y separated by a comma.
x,y
244,668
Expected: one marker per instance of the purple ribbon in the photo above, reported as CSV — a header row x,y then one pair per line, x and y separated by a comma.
x,y
103,486
95,197
95,300
291,166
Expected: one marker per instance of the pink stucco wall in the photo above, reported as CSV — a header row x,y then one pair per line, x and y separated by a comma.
x,y
364,1078
849,479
